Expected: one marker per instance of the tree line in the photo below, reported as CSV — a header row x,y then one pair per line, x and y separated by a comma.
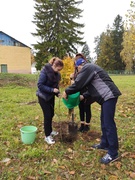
x,y
59,34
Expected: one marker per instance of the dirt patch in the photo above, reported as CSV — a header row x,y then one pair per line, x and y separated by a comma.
x,y
68,137
64,134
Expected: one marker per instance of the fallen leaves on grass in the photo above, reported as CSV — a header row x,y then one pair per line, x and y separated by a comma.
x,y
31,177
113,177
132,156
6,160
47,172
118,165
132,174
62,167
72,172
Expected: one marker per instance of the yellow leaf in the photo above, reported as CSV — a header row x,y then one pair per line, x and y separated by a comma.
x,y
72,172
118,165
31,177
58,178
132,156
5,160
19,125
47,172
124,154
70,150
132,174
55,160
113,177
37,117
62,167
103,166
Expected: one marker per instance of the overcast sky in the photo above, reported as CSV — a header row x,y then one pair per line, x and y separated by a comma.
x,y
16,18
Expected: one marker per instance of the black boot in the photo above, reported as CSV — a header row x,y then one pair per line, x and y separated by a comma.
x,y
86,128
81,129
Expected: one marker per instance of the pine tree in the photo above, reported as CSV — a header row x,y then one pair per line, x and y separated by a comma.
x,y
109,46
105,52
117,38
86,52
57,30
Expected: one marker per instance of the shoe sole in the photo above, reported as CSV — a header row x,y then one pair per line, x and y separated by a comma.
x,y
115,159
50,143
111,161
100,149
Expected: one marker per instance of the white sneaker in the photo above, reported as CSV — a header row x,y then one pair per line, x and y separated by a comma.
x,y
54,133
49,140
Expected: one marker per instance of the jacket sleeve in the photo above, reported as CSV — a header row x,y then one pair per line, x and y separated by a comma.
x,y
42,83
83,79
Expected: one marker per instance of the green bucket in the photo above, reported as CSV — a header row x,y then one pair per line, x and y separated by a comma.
x,y
28,134
72,101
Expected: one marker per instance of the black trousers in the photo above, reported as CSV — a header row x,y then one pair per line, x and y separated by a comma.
x,y
48,113
85,112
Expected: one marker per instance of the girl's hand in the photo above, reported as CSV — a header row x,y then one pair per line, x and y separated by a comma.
x,y
59,95
55,90
81,97
64,95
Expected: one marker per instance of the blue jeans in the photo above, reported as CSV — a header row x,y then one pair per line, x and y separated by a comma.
x,y
109,136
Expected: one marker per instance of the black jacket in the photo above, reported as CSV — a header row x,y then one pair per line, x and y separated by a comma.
x,y
100,86
48,80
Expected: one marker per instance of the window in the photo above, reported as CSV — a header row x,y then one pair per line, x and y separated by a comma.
x,y
3,68
1,41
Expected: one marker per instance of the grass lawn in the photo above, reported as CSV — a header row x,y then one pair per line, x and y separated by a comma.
x,y
64,160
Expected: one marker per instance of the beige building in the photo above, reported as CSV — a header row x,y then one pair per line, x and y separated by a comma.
x,y
15,57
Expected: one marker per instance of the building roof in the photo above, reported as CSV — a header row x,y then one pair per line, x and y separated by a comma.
x,y
1,32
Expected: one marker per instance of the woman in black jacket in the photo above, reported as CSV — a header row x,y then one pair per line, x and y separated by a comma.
x,y
84,105
103,90
48,87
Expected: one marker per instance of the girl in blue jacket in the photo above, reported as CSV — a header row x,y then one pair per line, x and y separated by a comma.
x,y
48,87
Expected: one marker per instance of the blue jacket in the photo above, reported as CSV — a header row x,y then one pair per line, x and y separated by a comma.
x,y
48,80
